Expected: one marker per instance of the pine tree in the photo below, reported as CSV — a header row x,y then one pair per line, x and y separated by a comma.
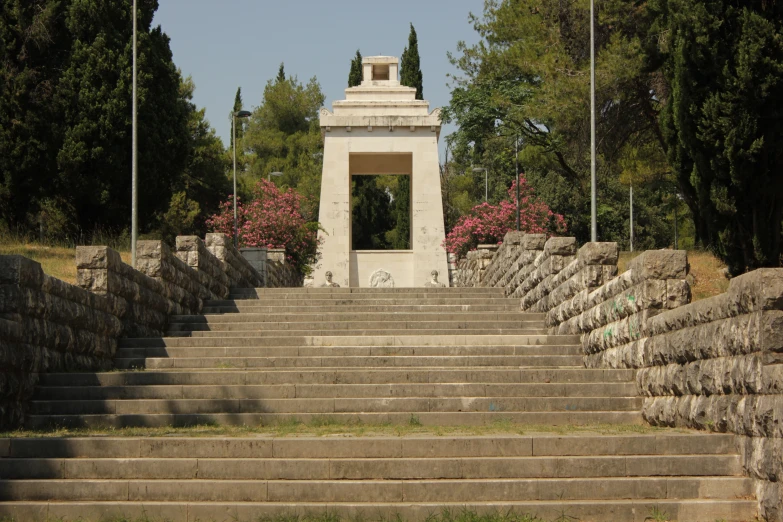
x,y
355,76
240,127
281,73
410,68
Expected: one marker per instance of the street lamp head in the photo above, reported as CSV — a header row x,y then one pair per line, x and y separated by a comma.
x,y
243,114
275,173
478,169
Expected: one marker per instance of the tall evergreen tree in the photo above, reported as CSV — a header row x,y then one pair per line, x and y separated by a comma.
x,y
240,125
723,122
355,76
410,68
281,73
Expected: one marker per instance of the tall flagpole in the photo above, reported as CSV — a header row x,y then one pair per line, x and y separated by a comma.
x,y
134,160
593,212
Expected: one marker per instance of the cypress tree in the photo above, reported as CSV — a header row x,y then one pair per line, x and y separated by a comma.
x,y
237,108
410,68
355,76
281,73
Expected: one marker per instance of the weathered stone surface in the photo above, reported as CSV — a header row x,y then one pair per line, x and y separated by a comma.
x,y
239,271
660,264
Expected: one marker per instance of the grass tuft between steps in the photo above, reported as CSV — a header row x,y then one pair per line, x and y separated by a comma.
x,y
326,426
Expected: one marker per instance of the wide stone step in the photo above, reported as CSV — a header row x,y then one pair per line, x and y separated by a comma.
x,y
538,376
252,468
355,340
354,351
335,316
335,405
360,331
360,301
443,490
549,418
691,510
290,391
384,447
322,296
260,307
383,291
390,324
350,362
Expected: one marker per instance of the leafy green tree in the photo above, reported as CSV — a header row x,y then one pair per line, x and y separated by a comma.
x,y
372,215
723,122
281,73
355,75
528,80
283,135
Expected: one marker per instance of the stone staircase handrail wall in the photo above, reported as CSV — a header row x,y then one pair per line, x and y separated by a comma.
x,y
192,251
238,269
47,325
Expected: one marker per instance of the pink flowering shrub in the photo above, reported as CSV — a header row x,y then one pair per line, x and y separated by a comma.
x,y
487,224
274,218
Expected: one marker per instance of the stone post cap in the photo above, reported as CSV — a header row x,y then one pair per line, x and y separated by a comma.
x,y
188,243
560,246
20,270
97,257
533,241
761,289
217,239
513,237
661,264
599,253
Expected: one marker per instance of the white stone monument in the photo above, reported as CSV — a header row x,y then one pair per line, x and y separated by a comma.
x,y
381,128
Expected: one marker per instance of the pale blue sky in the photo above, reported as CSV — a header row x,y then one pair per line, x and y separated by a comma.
x,y
231,43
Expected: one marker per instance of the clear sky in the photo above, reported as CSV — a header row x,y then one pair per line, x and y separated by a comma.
x,y
225,44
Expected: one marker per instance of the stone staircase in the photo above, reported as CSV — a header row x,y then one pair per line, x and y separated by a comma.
x,y
435,357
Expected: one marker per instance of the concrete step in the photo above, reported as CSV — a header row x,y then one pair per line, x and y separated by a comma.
x,y
290,391
550,418
358,331
251,468
335,405
363,325
382,291
537,376
690,510
310,302
443,490
354,351
655,445
464,339
336,316
422,296
265,307
399,361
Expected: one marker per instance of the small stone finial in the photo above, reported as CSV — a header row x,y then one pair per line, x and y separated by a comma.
x,y
433,282
329,283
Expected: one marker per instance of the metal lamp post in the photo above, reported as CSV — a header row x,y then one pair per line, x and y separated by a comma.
x,y
134,158
486,186
275,174
235,115
516,171
593,210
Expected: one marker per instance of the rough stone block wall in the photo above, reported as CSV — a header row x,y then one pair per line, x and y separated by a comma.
x,y
239,271
717,365
536,278
192,251
280,273
470,271
179,283
47,325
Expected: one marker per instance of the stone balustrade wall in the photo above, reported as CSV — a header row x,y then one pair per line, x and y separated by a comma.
x,y
470,270
239,271
279,272
535,278
192,251
48,325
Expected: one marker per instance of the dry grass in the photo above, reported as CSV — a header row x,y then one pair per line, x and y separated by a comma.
x,y
56,261
706,272
329,427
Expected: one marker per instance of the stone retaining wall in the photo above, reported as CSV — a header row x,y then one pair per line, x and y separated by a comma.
x,y
192,251
470,270
47,325
238,269
280,273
